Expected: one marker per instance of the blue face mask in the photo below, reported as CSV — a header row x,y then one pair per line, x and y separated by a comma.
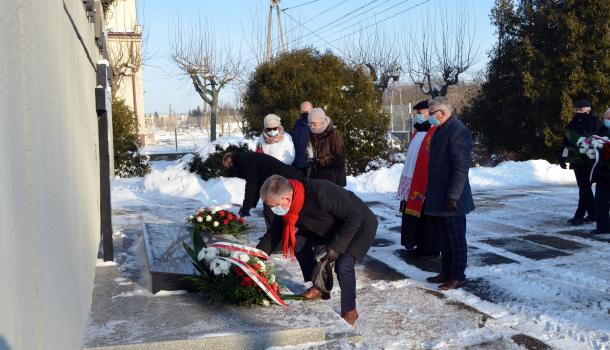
x,y
607,123
433,120
420,118
279,211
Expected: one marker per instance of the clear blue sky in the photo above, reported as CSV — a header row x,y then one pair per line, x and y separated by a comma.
x,y
233,22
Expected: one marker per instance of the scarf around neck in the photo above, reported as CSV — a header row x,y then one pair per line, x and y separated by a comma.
x,y
291,218
274,139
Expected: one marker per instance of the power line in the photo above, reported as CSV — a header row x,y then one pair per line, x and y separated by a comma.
x,y
294,7
314,33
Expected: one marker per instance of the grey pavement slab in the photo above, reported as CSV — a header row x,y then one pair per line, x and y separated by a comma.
x,y
524,248
123,316
555,242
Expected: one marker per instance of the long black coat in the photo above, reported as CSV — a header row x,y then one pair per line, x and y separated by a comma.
x,y
255,168
581,125
333,216
450,155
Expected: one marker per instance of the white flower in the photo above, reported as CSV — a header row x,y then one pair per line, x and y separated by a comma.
x,y
591,154
216,224
208,254
192,217
220,267
271,279
582,150
199,219
240,256
261,263
266,302
208,218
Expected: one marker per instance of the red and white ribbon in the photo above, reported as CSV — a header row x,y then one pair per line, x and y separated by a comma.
x,y
260,282
234,247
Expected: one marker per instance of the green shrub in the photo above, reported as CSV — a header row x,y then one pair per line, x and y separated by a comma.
x,y
212,166
127,160
346,93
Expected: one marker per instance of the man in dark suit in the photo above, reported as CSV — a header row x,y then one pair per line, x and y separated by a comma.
x,y
255,168
319,213
448,194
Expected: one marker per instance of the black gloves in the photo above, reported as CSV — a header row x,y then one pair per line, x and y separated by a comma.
x,y
330,256
562,163
450,205
244,212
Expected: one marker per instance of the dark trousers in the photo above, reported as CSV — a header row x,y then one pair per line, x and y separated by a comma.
x,y
454,254
586,202
344,268
418,233
602,205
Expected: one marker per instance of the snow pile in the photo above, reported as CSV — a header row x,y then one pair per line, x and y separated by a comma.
x,y
520,174
505,175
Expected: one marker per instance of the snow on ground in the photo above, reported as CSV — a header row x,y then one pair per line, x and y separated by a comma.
x,y
561,295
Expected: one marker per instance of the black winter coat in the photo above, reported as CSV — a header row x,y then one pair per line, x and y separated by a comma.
x,y
255,168
332,216
450,155
602,171
329,153
300,138
425,126
581,125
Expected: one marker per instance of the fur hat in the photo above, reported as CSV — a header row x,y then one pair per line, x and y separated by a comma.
x,y
272,121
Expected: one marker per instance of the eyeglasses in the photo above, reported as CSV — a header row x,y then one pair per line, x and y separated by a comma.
x,y
438,110
272,129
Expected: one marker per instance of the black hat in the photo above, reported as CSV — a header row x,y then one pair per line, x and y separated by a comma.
x,y
421,105
582,104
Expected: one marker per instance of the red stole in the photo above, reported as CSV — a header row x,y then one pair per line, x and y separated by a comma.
x,y
417,191
290,219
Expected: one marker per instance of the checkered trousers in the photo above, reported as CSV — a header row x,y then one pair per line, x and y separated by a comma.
x,y
452,233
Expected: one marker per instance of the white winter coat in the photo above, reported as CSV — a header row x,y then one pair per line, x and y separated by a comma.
x,y
283,150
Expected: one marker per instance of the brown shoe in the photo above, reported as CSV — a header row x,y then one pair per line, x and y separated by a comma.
x,y
314,293
440,278
350,316
453,284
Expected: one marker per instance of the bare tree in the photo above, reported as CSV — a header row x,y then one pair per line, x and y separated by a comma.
x,y
379,53
197,57
442,52
126,57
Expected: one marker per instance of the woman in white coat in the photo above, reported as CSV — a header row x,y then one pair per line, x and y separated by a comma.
x,y
274,141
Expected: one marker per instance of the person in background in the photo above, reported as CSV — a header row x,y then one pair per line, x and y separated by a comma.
x,y
583,124
300,137
416,235
326,149
448,193
318,213
274,141
255,168
601,176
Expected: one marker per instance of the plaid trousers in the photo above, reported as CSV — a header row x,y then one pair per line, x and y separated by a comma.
x,y
452,233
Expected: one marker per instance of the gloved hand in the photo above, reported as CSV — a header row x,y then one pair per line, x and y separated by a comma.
x,y
244,212
450,204
331,255
562,163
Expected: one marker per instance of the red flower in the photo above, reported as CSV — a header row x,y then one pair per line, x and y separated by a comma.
x,y
239,272
226,222
275,287
221,213
242,220
229,216
247,282
256,266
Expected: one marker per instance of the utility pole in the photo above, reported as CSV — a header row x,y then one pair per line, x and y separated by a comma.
x,y
282,45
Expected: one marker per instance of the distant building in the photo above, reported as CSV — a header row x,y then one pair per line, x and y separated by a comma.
x,y
125,53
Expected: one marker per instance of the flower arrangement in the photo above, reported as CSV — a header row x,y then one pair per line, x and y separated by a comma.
x,y
590,146
233,273
217,222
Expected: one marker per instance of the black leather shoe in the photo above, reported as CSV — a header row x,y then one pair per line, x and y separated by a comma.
x,y
453,284
576,221
589,219
440,278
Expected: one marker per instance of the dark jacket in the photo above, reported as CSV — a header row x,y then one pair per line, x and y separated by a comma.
x,y
255,168
425,126
332,216
602,170
449,162
300,138
329,156
581,125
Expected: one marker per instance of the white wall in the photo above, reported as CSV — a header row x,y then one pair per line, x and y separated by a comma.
x,y
49,177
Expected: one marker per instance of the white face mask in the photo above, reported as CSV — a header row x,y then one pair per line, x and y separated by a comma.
x,y
273,133
278,210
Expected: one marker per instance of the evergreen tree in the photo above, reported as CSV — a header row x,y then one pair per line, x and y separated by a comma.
x,y
549,54
346,93
127,159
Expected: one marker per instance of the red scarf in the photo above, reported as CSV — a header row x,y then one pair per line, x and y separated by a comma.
x,y
290,219
417,192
